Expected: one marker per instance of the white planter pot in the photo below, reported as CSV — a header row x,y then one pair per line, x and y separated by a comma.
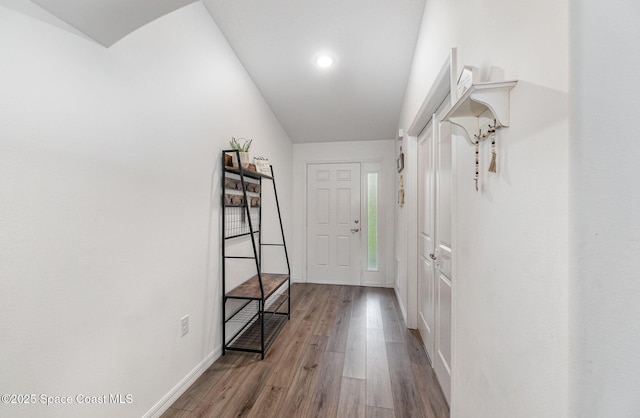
x,y
244,159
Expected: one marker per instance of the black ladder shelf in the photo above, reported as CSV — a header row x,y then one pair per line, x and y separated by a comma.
x,y
254,312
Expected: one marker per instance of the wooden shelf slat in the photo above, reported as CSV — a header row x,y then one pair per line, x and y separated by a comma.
x,y
250,289
247,173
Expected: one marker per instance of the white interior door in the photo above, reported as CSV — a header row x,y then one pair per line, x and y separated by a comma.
x,y
443,254
434,245
333,223
426,239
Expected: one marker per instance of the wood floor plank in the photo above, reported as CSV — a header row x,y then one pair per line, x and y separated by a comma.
x,y
215,374
325,322
326,394
352,398
415,347
268,403
176,413
355,364
412,338
315,313
242,401
359,304
283,372
376,412
217,400
304,321
406,399
374,315
340,330
390,319
355,351
378,386
297,400
429,389
301,295
279,346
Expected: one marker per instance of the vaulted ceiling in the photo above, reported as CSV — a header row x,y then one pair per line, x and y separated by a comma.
x,y
108,21
359,97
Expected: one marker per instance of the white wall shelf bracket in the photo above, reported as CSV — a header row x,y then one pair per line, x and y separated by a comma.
x,y
476,101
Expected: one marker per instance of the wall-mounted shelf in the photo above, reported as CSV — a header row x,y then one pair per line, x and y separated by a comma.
x,y
479,98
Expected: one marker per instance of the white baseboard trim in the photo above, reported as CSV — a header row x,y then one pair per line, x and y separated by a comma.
x,y
402,308
168,399
375,284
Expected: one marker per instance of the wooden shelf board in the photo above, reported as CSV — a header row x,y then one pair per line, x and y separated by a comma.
x,y
275,303
250,289
247,173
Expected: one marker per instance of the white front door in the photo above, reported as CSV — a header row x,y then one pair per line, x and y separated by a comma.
x,y
333,223
443,254
426,239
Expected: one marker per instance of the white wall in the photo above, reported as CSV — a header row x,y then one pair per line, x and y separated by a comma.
x,y
354,151
604,201
406,242
109,206
510,292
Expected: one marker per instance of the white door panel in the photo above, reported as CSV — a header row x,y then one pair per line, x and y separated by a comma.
x,y
333,223
426,243
444,260
444,253
443,310
426,310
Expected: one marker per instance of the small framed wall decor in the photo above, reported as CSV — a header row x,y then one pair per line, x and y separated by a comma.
x,y
400,161
262,165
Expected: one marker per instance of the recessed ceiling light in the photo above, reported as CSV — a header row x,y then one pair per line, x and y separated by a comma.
x,y
324,61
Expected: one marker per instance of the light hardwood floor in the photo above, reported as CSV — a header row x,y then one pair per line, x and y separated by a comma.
x,y
344,353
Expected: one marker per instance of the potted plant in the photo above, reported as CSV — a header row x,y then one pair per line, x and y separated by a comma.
x,y
243,149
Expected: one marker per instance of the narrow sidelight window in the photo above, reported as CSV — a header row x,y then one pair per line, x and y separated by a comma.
x,y
372,221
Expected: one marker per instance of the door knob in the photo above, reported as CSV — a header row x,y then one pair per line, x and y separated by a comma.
x,y
433,256
355,229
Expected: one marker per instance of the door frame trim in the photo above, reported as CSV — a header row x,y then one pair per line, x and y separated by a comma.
x,y
361,161
442,86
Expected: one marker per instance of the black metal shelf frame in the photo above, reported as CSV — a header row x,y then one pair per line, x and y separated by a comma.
x,y
259,314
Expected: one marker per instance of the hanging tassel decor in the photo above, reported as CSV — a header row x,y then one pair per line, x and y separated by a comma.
x,y
492,165
477,175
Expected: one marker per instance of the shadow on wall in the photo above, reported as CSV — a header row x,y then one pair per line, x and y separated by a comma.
x,y
530,123
555,109
213,288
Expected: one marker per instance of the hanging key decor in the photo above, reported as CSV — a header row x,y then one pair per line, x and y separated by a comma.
x,y
492,137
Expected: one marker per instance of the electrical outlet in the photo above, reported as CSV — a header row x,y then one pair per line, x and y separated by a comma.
x,y
184,325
